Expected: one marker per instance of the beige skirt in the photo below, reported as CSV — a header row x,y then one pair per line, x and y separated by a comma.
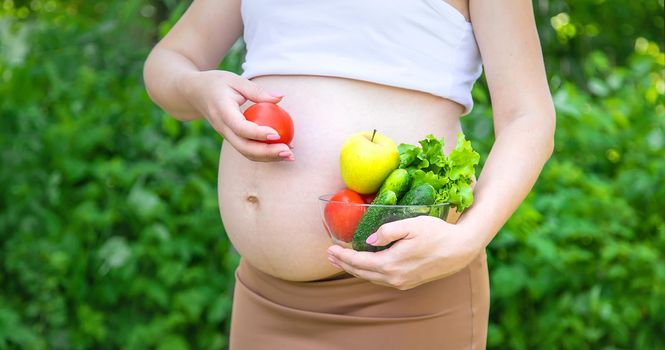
x,y
349,313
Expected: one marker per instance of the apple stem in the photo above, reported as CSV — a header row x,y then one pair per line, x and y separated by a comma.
x,y
374,133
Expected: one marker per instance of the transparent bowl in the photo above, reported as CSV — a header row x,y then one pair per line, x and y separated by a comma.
x,y
349,224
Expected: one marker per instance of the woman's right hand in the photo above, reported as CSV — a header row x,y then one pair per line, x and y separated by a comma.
x,y
218,95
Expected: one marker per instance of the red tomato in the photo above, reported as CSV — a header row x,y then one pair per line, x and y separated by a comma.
x,y
272,115
342,218
368,198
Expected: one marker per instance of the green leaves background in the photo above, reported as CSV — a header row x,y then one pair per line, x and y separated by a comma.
x,y
110,235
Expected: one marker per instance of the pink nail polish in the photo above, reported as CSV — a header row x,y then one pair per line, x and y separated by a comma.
x,y
371,239
277,94
272,137
285,154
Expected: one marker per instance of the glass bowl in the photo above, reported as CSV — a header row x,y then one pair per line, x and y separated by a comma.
x,y
349,224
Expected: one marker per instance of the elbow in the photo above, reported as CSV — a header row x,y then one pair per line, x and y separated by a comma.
x,y
148,78
536,127
550,131
543,126
158,90
550,148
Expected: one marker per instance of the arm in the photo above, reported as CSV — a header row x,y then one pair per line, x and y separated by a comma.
x,y
430,248
524,117
197,42
180,77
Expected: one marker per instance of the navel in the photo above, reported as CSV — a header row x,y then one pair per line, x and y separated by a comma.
x,y
252,198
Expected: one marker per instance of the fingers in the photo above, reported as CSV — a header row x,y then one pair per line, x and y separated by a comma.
x,y
253,92
359,260
390,232
259,151
374,267
244,135
371,276
235,120
219,95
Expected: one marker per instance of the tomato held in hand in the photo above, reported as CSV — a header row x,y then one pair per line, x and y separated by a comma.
x,y
270,114
343,218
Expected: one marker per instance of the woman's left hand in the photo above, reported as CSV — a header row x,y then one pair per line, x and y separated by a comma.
x,y
427,249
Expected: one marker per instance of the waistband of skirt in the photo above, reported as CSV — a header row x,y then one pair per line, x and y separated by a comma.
x,y
352,295
338,285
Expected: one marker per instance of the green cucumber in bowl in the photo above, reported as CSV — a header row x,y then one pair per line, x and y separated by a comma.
x,y
423,194
419,199
398,181
373,219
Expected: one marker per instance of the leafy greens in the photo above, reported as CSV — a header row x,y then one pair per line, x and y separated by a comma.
x,y
451,175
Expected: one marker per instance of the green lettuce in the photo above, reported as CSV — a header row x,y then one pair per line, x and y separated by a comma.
x,y
451,175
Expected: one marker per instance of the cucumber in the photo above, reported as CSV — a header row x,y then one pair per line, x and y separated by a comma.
x,y
420,199
372,219
423,194
398,181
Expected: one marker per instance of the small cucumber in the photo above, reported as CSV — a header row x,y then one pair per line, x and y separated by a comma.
x,y
423,194
398,181
372,219
419,199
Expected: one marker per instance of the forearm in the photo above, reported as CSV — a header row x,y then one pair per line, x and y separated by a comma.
x,y
164,73
517,157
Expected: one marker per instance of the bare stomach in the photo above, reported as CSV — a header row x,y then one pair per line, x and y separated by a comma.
x,y
270,210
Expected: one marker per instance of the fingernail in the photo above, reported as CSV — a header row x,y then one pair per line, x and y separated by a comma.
x,y
285,154
371,239
272,137
277,94
291,147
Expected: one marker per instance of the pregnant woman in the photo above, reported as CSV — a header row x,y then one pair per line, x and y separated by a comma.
x,y
405,67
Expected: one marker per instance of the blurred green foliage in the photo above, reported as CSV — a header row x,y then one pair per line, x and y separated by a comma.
x,y
109,230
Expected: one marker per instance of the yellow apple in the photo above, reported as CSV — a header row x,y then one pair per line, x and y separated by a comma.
x,y
366,159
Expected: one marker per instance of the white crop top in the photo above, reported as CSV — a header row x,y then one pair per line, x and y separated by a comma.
x,y
424,45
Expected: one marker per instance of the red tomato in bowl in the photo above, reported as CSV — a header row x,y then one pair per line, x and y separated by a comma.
x,y
272,115
343,218
368,198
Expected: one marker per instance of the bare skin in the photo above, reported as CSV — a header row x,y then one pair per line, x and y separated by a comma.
x,y
268,193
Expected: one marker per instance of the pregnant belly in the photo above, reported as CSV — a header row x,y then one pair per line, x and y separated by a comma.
x,y
270,210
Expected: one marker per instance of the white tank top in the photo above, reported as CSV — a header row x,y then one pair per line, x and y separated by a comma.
x,y
424,45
